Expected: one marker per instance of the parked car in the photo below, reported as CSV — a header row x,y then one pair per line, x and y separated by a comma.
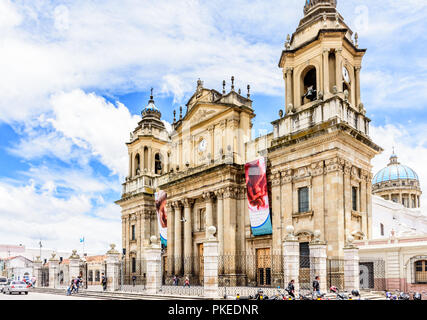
x,y
16,286
3,283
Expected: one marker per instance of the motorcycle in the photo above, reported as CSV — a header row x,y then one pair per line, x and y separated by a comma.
x,y
339,296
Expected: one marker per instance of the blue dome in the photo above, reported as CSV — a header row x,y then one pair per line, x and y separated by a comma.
x,y
394,171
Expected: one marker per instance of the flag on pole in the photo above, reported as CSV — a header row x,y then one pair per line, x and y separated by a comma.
x,y
82,240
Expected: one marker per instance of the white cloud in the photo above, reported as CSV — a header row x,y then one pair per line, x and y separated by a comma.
x,y
94,124
31,211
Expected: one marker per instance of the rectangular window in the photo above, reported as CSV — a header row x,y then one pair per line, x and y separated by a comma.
x,y
382,229
133,265
354,198
133,232
303,200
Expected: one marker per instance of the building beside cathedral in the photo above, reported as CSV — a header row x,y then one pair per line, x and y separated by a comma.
x,y
318,160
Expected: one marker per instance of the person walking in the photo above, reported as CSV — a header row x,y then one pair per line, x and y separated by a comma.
x,y
104,282
187,282
175,280
316,286
291,289
133,280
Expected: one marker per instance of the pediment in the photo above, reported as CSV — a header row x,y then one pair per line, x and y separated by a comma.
x,y
203,96
200,114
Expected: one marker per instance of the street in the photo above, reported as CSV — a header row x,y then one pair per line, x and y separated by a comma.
x,y
41,296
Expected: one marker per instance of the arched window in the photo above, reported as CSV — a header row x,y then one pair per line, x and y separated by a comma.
x,y
97,276
309,85
137,164
158,167
421,271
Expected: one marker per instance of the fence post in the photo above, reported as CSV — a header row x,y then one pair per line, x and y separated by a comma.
x,y
112,261
53,271
37,271
153,257
210,255
351,266
291,261
74,269
318,261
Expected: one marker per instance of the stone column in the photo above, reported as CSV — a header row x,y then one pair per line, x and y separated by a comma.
x,y
37,271
210,254
150,160
188,237
113,269
53,271
357,84
318,261
74,265
209,204
277,214
351,266
153,258
220,214
338,59
178,238
291,258
326,86
171,238
289,95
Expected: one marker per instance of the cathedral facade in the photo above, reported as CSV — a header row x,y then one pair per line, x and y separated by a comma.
x,y
318,158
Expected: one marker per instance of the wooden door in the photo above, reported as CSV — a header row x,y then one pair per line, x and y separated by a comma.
x,y
263,257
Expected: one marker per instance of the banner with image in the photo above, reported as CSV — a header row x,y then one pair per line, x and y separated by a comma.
x,y
162,215
259,207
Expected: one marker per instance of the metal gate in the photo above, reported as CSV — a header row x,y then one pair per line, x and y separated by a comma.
x,y
372,274
44,281
335,273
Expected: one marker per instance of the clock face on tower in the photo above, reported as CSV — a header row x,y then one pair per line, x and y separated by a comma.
x,y
203,145
346,75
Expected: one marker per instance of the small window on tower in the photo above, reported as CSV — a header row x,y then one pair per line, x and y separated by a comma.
x,y
309,85
158,164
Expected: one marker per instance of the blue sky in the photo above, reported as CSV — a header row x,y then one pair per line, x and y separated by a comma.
x,y
74,76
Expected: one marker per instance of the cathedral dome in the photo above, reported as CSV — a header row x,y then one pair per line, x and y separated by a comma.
x,y
398,183
395,171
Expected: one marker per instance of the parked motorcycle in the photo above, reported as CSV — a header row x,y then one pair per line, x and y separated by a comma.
x,y
339,295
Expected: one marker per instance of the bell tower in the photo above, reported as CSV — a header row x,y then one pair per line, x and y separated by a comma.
x,y
321,59
321,146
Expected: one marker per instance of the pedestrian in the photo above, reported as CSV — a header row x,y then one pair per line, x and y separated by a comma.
x,y
175,280
187,282
316,286
291,289
71,287
77,282
104,282
133,280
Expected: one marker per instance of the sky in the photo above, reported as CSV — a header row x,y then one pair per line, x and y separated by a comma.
x,y
75,75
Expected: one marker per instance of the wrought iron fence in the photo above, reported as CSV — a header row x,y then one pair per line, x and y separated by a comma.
x,y
177,269
335,272
250,270
372,274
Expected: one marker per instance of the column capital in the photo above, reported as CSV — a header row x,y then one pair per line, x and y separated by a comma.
x,y
208,196
289,70
230,192
219,193
176,204
188,202
326,50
